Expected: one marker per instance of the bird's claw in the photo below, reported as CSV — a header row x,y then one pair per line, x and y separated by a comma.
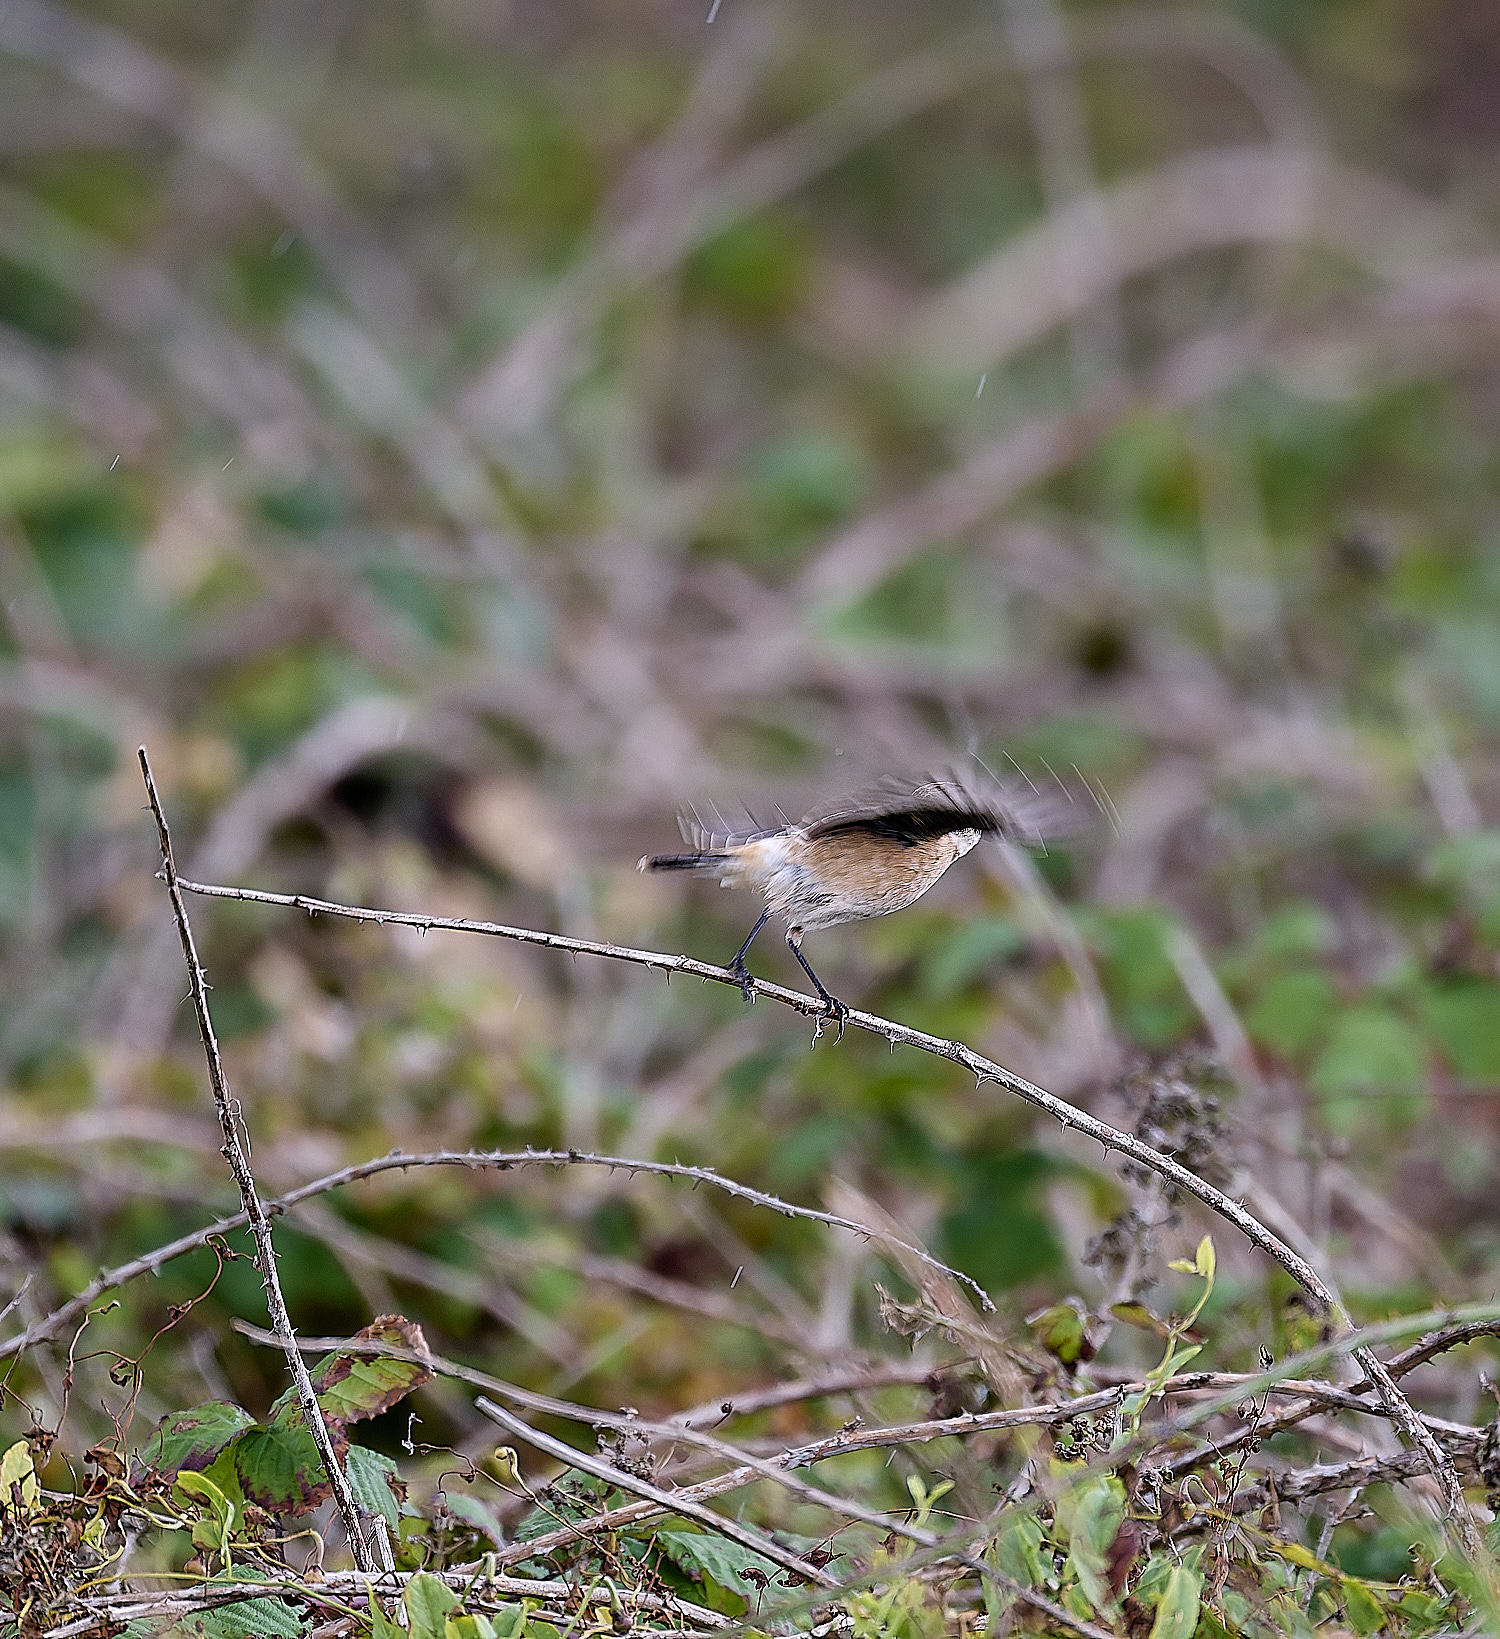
x,y
747,981
833,1009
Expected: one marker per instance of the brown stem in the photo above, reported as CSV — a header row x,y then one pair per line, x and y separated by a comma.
x,y
234,1152
1403,1414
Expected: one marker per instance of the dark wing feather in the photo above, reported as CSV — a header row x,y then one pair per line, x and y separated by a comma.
x,y
912,811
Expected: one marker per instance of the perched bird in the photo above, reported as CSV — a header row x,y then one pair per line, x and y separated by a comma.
x,y
863,856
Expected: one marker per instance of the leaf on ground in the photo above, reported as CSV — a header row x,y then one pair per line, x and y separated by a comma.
x,y
351,1386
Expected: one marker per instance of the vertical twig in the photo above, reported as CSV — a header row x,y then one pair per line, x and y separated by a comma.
x,y
234,1153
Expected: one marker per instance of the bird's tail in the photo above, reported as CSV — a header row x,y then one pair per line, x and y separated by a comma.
x,y
682,862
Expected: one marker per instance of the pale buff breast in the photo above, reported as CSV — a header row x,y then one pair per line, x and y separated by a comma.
x,y
847,878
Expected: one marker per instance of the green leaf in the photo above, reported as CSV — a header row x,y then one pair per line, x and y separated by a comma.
x,y
1464,860
967,952
18,1468
1144,991
209,1533
472,1512
427,1603
192,1439
354,1386
279,1465
381,1626
1063,1330
1372,1050
1180,1358
1177,1609
1365,1612
1093,1517
469,1627
1302,1557
1293,1011
1153,1580
374,1478
1464,1019
1018,1551
247,1619
1138,1315
700,1553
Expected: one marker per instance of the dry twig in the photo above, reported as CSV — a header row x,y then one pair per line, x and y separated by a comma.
x,y
260,1228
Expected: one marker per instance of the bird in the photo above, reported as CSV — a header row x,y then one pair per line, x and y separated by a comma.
x,y
861,856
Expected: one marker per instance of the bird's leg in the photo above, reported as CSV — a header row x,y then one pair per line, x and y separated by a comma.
x,y
737,966
836,1009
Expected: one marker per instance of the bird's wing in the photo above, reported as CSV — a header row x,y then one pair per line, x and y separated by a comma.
x,y
706,838
916,809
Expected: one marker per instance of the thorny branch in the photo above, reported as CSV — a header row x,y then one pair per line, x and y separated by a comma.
x,y
254,1213
1402,1413
65,1315
1218,1391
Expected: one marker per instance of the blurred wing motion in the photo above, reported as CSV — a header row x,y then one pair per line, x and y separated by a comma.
x,y
905,811
912,811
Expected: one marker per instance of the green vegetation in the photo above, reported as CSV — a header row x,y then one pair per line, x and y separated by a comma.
x,y
454,435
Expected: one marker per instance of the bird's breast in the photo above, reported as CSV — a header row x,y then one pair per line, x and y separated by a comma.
x,y
847,878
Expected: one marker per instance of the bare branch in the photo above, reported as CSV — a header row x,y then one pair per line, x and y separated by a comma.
x,y
669,1500
234,1153
1402,1412
69,1313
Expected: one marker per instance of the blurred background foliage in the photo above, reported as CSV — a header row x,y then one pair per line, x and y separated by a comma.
x,y
454,433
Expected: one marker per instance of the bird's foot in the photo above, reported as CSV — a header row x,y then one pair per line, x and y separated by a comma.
x,y
747,982
833,1010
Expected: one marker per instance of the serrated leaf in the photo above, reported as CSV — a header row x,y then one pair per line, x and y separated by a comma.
x,y
699,1553
427,1603
247,1619
192,1439
279,1465
1177,1609
371,1478
351,1387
